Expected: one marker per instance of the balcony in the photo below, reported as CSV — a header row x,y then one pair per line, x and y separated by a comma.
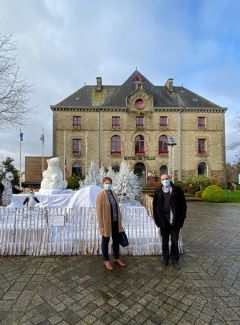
x,y
116,127
163,153
116,153
140,153
163,127
76,154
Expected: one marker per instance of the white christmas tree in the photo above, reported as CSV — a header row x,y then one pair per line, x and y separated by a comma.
x,y
91,177
101,174
126,184
112,174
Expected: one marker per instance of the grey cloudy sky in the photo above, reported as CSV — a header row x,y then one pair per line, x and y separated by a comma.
x,y
64,44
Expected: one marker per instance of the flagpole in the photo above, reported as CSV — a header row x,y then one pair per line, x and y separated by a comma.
x,y
64,155
86,147
20,178
42,152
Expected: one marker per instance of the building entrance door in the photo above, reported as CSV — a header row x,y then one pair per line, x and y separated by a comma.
x,y
140,170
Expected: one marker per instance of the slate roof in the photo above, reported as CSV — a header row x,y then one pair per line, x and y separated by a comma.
x,y
115,96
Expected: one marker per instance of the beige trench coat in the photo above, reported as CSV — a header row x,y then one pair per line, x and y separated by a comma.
x,y
103,210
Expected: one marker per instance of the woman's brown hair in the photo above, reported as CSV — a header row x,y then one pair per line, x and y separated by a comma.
x,y
107,179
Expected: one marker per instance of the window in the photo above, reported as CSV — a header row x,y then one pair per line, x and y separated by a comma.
x,y
201,122
201,146
139,122
202,169
77,169
115,146
138,78
139,145
163,121
76,120
163,144
116,122
76,146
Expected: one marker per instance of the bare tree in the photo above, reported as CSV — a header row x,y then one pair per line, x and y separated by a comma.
x,y
14,91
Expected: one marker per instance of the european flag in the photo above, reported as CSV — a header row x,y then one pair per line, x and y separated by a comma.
x,y
21,135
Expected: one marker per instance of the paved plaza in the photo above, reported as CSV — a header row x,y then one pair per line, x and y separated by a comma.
x,y
78,290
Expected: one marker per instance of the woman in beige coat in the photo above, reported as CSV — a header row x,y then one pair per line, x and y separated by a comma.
x,y
109,220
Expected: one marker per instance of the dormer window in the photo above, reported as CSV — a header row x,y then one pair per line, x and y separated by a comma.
x,y
139,103
138,81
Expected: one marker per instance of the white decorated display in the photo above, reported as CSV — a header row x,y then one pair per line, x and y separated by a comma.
x,y
53,177
85,197
7,192
125,183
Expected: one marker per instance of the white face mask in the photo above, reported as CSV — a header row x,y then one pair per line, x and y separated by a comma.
x,y
166,182
107,187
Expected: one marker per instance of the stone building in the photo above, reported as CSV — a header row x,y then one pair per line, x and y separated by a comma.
x,y
33,170
136,121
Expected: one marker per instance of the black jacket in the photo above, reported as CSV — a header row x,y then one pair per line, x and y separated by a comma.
x,y
177,203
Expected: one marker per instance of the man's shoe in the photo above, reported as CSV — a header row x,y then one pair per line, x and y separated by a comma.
x,y
165,263
108,265
176,265
120,262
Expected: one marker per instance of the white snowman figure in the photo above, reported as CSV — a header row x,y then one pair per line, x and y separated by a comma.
x,y
53,176
7,192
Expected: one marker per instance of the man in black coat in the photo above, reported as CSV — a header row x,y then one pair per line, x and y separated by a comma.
x,y
1,192
169,212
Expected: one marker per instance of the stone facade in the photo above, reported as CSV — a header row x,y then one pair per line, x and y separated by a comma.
x,y
88,117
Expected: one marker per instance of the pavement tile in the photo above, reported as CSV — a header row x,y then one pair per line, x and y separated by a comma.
x,y
11,295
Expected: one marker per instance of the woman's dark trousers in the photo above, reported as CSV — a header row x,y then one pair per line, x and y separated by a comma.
x,y
169,230
115,245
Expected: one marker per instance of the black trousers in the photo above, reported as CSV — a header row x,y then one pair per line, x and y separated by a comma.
x,y
115,244
166,232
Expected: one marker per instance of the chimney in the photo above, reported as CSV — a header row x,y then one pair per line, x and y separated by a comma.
x,y
169,84
99,84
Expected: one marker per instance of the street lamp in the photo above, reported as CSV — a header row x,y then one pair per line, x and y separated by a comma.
x,y
171,143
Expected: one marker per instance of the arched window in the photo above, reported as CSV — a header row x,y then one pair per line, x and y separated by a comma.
x,y
163,144
77,169
140,170
202,169
163,170
115,145
116,168
139,145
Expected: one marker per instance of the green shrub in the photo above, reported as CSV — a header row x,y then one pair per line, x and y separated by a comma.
x,y
214,193
73,182
197,183
198,194
181,184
